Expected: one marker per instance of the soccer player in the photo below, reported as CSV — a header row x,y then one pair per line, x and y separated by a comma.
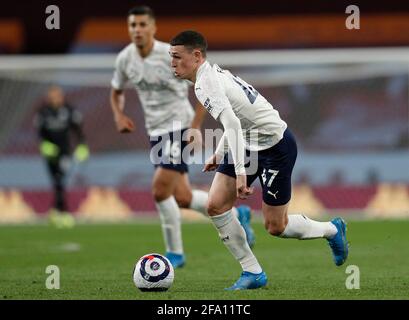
x,y
145,63
55,121
250,123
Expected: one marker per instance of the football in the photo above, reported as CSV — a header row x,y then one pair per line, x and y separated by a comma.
x,y
153,272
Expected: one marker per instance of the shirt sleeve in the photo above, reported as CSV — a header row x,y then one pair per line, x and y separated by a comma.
x,y
233,135
222,147
119,78
211,95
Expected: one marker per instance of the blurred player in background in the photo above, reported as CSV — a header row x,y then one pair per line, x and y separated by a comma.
x,y
241,109
55,122
145,63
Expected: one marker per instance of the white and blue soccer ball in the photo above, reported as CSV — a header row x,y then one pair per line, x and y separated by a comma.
x,y
153,272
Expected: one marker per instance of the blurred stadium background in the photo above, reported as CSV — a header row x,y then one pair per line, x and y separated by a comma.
x,y
344,93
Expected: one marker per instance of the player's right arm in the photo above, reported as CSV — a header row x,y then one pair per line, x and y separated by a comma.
x,y
48,149
123,123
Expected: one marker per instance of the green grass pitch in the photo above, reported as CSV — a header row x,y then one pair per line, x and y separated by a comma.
x,y
96,262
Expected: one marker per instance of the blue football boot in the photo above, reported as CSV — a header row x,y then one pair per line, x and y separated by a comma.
x,y
244,217
249,280
338,243
177,260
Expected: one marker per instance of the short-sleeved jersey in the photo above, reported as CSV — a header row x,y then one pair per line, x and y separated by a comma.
x,y
164,98
218,89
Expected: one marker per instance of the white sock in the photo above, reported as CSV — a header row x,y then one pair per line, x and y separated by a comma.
x,y
235,212
170,217
301,227
199,202
233,236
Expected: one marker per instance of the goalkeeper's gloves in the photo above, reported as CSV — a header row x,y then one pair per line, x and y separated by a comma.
x,y
81,152
49,149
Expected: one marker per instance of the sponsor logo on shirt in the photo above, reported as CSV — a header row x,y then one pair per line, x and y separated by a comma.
x,y
207,105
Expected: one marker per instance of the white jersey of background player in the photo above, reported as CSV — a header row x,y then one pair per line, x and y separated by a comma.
x,y
242,110
164,98
145,64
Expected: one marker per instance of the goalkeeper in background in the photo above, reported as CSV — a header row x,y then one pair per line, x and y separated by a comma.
x,y
56,121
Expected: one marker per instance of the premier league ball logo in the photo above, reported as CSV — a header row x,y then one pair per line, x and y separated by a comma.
x,y
153,272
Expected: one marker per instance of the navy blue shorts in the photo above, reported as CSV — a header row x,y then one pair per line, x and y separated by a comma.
x,y
167,150
274,169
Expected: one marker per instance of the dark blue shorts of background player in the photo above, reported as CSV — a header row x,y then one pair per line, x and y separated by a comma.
x,y
167,151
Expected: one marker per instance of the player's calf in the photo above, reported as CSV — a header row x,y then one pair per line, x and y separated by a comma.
x,y
183,201
274,227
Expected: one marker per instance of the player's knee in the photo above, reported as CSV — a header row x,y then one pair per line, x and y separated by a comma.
x,y
213,208
160,193
275,227
183,201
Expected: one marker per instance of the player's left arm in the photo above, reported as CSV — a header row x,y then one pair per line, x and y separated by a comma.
x,y
39,124
48,149
81,152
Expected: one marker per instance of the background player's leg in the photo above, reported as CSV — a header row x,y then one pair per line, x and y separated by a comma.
x,y
56,175
59,196
58,215
163,186
188,198
183,191
222,196
60,191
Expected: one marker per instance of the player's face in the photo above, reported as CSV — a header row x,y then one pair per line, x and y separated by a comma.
x,y
184,61
141,29
55,97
